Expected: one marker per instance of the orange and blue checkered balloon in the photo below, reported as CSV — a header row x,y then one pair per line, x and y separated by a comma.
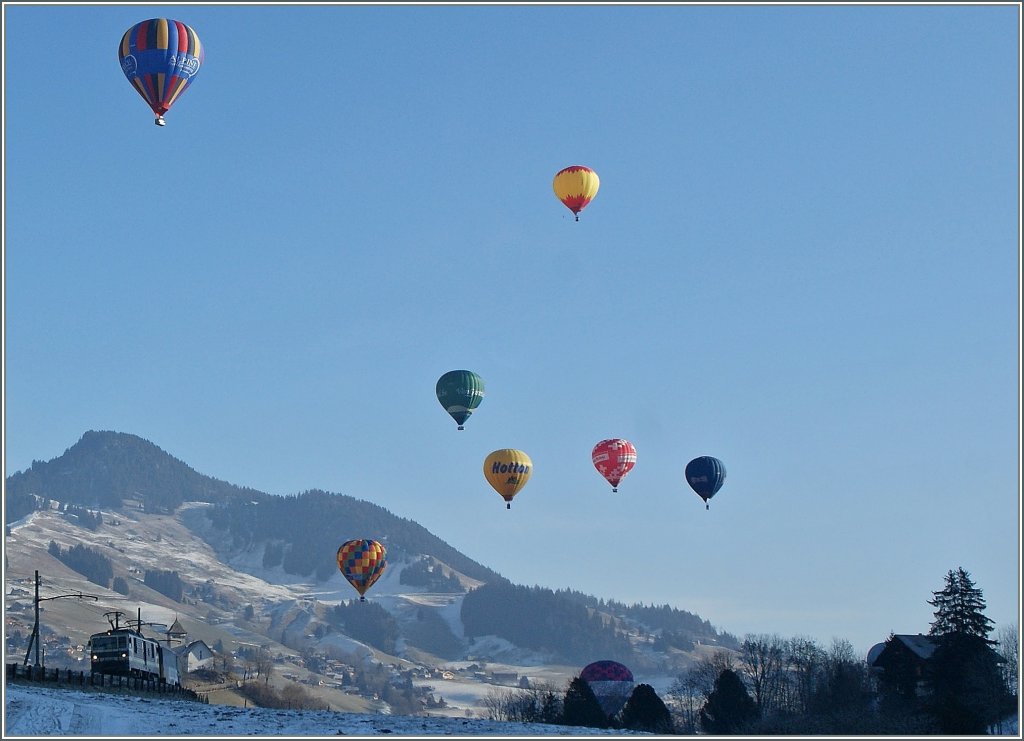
x,y
362,562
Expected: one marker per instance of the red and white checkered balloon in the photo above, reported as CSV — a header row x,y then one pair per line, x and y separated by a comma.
x,y
613,459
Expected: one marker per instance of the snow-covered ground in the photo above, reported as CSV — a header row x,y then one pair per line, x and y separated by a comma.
x,y
42,711
34,711
1009,727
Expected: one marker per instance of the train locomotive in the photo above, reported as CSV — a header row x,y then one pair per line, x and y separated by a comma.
x,y
125,651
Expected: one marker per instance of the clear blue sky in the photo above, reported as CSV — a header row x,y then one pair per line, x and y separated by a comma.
x,y
803,260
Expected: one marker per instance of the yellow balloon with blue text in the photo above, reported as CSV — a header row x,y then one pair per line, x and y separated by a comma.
x,y
508,470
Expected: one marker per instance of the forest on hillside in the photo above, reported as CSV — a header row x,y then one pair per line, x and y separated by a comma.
x,y
577,627
300,528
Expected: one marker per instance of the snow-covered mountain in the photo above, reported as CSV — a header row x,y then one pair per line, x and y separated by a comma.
x,y
235,601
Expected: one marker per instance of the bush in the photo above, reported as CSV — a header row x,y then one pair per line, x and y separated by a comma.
x,y
645,711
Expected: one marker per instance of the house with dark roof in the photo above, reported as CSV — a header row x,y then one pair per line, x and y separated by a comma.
x,y
906,655
905,659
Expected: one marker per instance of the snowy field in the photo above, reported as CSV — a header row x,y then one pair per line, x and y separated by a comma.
x,y
38,711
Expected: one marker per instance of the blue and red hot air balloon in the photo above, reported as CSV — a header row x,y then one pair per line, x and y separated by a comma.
x,y
160,57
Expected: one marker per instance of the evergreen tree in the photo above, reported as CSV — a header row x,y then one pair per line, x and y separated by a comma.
x,y
550,708
273,554
367,622
960,608
645,711
581,708
966,688
729,708
168,583
91,564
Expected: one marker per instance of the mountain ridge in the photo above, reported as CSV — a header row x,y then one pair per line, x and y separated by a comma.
x,y
252,552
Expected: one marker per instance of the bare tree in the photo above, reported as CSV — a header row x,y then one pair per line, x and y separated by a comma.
x,y
763,663
708,668
223,661
264,663
502,705
691,689
686,696
1008,646
805,659
535,704
844,686
296,697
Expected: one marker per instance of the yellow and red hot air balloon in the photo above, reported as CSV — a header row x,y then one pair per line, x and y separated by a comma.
x,y
362,562
576,186
507,470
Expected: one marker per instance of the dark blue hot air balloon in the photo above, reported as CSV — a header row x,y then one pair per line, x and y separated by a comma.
x,y
705,475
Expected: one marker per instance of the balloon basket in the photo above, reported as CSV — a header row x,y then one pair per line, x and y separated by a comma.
x,y
160,121
508,505
461,427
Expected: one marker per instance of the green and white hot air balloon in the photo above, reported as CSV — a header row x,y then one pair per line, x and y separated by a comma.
x,y
460,392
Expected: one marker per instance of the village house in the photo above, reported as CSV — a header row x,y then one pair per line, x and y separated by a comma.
x,y
191,656
905,654
198,655
905,658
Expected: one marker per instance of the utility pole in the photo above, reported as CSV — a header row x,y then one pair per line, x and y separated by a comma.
x,y
34,640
